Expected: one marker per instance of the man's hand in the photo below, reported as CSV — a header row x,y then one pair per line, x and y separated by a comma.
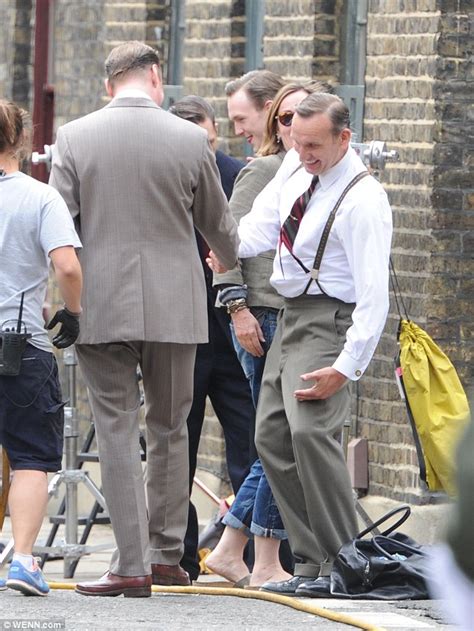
x,y
248,332
215,264
327,381
69,330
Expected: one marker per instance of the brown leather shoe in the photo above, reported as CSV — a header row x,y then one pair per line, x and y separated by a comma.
x,y
169,575
114,585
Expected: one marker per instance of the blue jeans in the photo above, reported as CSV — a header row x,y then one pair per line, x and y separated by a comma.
x,y
253,366
254,509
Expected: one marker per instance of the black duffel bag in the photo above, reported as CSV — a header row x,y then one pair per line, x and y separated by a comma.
x,y
389,566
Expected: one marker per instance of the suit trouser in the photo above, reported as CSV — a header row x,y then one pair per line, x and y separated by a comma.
x,y
298,442
109,372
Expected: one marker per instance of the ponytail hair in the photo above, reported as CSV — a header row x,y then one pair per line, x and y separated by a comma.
x,y
15,130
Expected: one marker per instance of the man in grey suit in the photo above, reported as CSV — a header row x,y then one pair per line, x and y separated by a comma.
x,y
138,180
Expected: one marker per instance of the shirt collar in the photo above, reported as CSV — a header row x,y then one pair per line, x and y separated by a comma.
x,y
329,177
135,93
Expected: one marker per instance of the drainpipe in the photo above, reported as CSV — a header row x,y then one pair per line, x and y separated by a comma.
x,y
352,90
354,42
254,19
43,92
353,62
174,87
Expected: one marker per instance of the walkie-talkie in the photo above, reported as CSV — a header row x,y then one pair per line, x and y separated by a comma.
x,y
12,344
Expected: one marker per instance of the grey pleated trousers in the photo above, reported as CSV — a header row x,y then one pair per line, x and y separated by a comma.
x,y
299,442
153,535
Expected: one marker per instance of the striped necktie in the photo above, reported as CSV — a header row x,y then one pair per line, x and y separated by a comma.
x,y
291,225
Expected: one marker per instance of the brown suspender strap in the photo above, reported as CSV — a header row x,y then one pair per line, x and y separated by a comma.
x,y
314,272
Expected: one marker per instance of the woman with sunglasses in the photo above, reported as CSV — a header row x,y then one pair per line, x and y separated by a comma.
x,y
254,513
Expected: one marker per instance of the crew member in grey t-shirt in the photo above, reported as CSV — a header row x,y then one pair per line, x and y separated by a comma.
x,y
35,228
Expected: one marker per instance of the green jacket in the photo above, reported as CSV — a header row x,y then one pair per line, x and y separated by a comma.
x,y
254,272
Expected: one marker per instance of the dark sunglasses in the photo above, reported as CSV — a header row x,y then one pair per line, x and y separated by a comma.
x,y
285,118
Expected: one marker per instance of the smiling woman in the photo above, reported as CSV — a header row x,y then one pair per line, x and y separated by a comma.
x,y
278,125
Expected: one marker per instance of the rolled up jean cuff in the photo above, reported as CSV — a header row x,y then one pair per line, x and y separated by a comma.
x,y
233,522
269,533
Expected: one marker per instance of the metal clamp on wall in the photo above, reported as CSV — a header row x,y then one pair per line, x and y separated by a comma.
x,y
43,158
374,154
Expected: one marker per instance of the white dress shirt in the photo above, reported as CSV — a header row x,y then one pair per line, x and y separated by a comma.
x,y
355,264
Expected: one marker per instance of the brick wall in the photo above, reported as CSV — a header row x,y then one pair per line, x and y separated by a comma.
x,y
301,40
78,40
213,53
7,17
84,34
15,51
450,287
417,100
399,108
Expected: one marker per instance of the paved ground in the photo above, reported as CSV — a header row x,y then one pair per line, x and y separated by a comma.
x,y
190,612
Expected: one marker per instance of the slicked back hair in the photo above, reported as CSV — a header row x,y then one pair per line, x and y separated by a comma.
x,y
330,104
128,58
259,85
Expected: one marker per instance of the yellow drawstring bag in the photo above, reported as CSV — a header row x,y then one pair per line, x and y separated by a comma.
x,y
437,402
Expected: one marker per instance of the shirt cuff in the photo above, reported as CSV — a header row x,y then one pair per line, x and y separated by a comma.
x,y
349,367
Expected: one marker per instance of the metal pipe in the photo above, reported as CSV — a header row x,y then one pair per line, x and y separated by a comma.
x,y
254,21
71,433
361,36
43,103
353,45
353,62
176,43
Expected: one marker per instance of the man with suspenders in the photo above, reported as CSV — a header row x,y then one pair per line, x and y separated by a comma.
x,y
321,202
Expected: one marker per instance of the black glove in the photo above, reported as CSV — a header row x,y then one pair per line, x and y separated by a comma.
x,y
69,330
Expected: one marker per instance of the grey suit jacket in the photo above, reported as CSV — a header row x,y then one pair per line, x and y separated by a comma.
x,y
138,180
255,272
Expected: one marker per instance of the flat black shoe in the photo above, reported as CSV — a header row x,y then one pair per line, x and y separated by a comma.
x,y
316,588
286,588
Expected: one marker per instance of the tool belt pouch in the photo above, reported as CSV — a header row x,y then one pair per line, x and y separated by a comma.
x,y
12,348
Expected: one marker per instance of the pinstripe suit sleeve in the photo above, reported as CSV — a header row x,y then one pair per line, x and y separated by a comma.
x,y
63,174
212,216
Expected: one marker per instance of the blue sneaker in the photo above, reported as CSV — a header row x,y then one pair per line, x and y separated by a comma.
x,y
3,584
28,583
